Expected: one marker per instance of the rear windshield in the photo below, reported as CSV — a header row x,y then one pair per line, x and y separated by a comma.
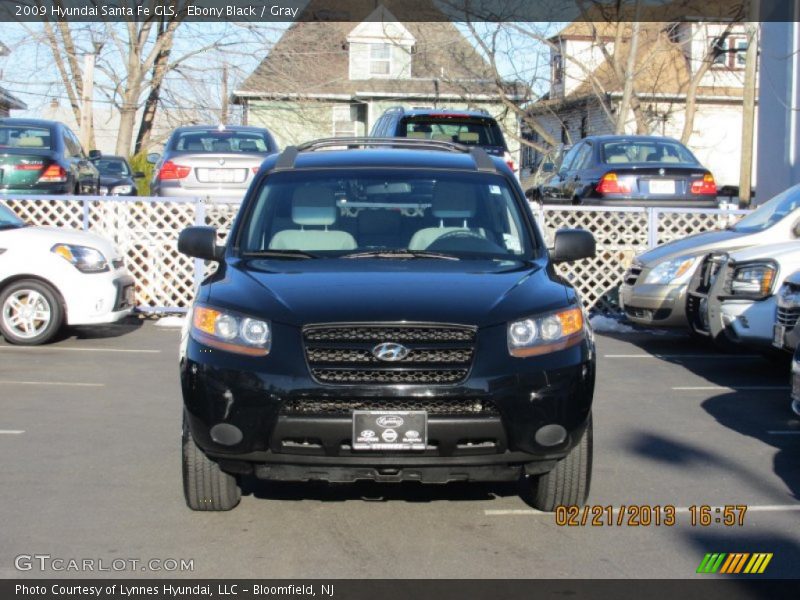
x,y
32,138
464,130
331,214
645,151
112,167
216,142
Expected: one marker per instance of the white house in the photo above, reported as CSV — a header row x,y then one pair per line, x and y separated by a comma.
x,y
8,101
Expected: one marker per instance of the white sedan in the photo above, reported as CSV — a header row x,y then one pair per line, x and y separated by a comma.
x,y
51,277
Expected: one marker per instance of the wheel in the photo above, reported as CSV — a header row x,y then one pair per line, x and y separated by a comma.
x,y
30,312
205,485
567,484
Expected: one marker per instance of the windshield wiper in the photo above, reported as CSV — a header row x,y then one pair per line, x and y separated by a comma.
x,y
400,253
290,254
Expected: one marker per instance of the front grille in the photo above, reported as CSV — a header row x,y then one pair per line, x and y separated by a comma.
x,y
788,317
632,274
344,354
433,406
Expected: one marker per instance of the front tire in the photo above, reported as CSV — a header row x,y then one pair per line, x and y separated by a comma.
x,y
567,484
30,312
205,485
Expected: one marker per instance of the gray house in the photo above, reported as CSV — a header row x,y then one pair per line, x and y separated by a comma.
x,y
8,102
335,78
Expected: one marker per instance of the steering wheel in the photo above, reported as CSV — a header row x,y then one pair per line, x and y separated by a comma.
x,y
464,241
459,235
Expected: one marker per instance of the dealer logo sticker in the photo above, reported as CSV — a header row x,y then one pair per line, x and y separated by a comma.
x,y
390,421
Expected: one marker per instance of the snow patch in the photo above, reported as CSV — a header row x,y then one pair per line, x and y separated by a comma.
x,y
603,324
174,321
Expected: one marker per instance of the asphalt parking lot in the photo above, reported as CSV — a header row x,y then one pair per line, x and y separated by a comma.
x,y
90,428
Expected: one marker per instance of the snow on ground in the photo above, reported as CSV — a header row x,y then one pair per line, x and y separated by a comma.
x,y
173,321
603,324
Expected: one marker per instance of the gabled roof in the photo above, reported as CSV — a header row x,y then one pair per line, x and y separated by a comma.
x,y
4,51
312,59
11,102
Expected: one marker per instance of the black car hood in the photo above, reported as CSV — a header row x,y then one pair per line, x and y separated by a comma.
x,y
110,182
365,290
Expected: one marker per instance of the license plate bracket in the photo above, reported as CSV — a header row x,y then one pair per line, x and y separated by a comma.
x,y
661,186
390,430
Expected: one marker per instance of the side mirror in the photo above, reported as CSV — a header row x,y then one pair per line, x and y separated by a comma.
x,y
548,167
138,175
572,244
200,242
153,157
95,154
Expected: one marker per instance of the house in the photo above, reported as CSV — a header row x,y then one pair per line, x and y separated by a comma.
x,y
336,78
585,90
8,101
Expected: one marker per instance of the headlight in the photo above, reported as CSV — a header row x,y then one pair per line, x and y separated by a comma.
x,y
121,190
753,281
546,333
231,331
85,259
677,270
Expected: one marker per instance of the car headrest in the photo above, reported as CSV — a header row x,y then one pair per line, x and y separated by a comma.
x,y
221,146
454,200
313,205
195,146
617,158
248,146
469,137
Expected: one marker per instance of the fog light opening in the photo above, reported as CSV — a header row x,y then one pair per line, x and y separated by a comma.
x,y
226,434
550,435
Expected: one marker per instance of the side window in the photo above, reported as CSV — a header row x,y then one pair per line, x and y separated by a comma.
x,y
72,143
569,158
376,128
584,158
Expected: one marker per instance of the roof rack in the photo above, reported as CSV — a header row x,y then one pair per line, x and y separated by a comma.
x,y
483,162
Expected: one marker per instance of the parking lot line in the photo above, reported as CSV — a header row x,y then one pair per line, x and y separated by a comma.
x,y
37,348
11,431
741,388
493,512
60,383
674,356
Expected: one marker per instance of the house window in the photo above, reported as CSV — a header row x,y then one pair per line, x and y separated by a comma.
x,y
584,121
565,132
558,68
380,59
344,121
730,52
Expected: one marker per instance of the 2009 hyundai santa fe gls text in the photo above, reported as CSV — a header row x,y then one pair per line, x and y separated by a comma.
x,y
386,310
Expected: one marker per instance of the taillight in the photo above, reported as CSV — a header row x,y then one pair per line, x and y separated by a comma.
x,y
169,170
509,161
609,184
53,174
706,185
29,167
255,169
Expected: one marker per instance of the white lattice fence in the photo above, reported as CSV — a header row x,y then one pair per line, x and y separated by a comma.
x,y
146,231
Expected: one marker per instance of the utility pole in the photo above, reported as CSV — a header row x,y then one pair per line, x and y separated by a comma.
x,y
87,120
748,116
223,116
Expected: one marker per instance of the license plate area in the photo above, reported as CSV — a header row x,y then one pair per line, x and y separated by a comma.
x,y
390,430
662,186
221,175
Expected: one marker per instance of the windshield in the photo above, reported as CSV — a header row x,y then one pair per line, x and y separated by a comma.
x,y
25,138
220,142
8,219
645,151
470,215
461,129
770,212
112,167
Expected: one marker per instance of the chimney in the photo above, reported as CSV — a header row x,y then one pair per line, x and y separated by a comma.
x,y
54,103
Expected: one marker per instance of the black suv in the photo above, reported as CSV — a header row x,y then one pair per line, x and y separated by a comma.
x,y
386,311
467,127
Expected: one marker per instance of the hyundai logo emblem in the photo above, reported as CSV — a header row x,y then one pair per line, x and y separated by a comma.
x,y
390,352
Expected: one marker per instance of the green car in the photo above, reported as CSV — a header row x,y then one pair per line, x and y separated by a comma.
x,y
44,157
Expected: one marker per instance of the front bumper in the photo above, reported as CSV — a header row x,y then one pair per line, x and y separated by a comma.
x,y
654,305
251,395
743,321
99,298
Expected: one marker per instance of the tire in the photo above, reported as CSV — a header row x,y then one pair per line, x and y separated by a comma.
x,y
567,484
206,486
18,321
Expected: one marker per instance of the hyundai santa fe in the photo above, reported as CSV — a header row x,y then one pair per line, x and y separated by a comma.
x,y
386,310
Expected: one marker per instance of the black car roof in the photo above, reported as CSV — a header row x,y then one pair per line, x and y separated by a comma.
x,y
217,128
30,122
632,137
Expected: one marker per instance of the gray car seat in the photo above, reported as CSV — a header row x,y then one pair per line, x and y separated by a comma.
x,y
313,206
451,200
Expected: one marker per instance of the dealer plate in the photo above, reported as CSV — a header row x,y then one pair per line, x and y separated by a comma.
x,y
662,186
390,430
